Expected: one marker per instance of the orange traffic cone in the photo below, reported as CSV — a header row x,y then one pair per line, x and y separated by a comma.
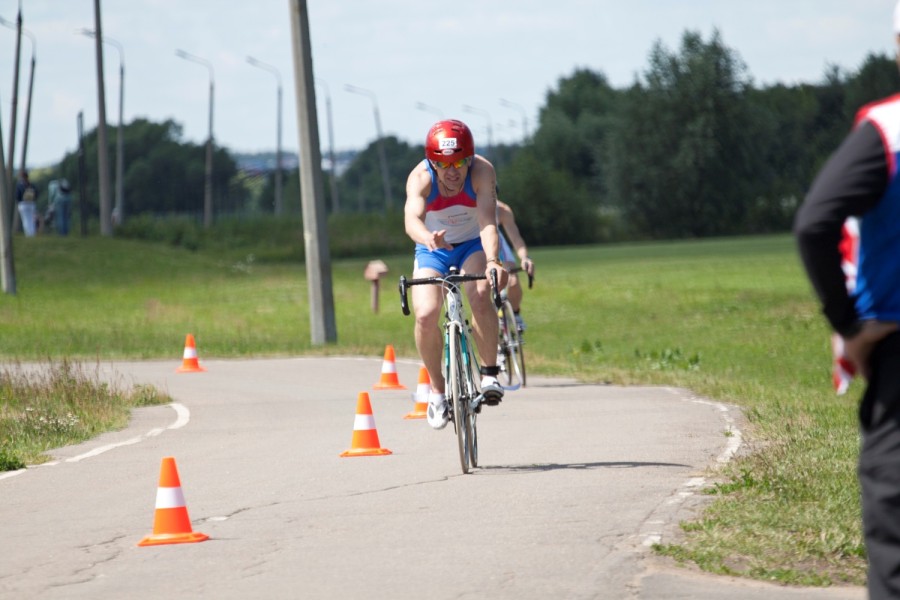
x,y
365,436
190,364
389,379
420,410
171,524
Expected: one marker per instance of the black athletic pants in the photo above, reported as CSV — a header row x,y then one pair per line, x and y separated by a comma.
x,y
879,469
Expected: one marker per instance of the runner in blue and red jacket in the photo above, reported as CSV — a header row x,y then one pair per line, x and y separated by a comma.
x,y
861,179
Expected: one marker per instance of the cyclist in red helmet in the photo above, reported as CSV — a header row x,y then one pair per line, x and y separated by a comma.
x,y
450,214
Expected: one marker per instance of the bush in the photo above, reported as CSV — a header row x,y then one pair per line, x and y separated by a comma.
x,y
273,239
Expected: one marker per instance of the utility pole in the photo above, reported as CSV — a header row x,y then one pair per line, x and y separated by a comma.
x,y
119,210
22,161
10,174
102,148
312,192
7,265
82,177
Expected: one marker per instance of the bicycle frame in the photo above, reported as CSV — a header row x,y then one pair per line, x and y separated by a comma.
x,y
459,360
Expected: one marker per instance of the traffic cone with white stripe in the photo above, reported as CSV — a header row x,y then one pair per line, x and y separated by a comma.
x,y
389,379
365,436
420,410
190,363
171,524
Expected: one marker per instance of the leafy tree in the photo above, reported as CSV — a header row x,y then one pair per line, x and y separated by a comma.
x,y
877,78
162,173
784,120
550,205
555,184
361,187
684,154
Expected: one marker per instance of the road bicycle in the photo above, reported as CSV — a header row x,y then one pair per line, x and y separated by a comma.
x,y
459,362
510,345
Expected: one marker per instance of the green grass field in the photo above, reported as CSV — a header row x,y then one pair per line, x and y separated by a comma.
x,y
733,320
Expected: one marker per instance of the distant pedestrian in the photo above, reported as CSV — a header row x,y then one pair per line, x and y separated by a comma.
x,y
59,211
26,199
862,179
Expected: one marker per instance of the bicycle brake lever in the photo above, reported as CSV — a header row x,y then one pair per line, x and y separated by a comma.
x,y
404,303
498,301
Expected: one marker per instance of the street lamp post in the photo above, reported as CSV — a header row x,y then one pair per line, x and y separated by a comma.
x,y
279,206
119,210
428,108
490,126
207,183
30,36
102,148
521,110
335,201
7,264
388,202
12,121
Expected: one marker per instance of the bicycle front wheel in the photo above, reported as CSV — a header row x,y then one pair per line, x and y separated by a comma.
x,y
456,389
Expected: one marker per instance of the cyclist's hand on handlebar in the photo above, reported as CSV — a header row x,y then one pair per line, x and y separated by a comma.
x,y
502,274
437,241
528,266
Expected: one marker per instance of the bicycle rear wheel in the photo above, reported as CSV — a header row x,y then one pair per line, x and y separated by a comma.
x,y
456,390
510,350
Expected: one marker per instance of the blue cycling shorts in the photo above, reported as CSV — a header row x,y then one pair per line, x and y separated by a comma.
x,y
441,260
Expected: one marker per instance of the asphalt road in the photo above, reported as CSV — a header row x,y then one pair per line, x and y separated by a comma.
x,y
575,483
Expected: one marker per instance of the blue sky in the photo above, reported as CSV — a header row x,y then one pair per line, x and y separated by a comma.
x,y
442,55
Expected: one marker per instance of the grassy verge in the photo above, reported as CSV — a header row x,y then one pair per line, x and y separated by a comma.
x,y
58,404
730,319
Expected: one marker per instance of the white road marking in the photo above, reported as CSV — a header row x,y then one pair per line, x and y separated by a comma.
x,y
183,417
692,485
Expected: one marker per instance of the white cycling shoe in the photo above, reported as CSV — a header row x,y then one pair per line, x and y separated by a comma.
x,y
438,413
491,390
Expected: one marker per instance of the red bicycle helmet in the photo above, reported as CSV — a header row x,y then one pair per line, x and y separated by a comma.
x,y
448,141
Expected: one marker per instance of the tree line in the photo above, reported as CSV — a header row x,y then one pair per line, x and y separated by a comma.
x,y
692,148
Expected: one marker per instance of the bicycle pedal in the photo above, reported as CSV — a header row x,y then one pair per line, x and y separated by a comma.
x,y
490,399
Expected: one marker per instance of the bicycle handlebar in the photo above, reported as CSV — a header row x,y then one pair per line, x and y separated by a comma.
x,y
451,278
519,270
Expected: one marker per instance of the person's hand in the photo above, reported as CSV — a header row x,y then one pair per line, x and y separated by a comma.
x,y
502,274
858,348
528,266
437,241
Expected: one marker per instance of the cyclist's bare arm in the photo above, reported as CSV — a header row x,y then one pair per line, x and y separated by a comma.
x,y
506,218
484,181
418,186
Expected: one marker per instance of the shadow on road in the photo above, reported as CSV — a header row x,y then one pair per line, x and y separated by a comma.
x,y
592,465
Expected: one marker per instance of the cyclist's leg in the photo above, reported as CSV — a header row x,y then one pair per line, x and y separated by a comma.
x,y
427,303
513,288
485,328
484,313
